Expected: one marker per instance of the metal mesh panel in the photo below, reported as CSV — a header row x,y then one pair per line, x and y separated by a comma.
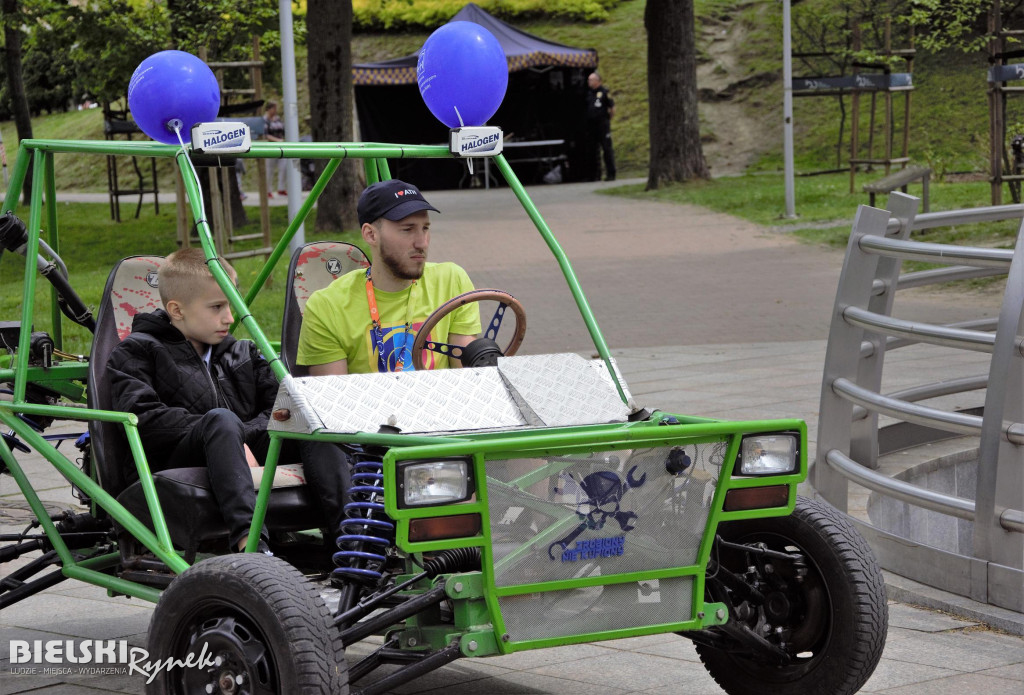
x,y
597,608
611,512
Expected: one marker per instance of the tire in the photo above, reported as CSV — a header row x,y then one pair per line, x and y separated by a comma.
x,y
260,617
834,620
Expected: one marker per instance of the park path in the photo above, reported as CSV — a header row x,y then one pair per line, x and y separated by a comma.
x,y
655,273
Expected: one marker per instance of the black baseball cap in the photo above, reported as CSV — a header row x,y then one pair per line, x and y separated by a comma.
x,y
392,199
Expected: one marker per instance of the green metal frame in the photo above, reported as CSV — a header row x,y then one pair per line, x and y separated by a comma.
x,y
476,602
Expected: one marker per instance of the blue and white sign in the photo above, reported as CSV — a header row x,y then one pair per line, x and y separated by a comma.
x,y
221,137
477,141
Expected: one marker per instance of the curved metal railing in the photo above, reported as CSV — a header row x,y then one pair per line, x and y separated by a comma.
x,y
988,561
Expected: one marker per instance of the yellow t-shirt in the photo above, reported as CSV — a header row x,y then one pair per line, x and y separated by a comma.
x,y
336,322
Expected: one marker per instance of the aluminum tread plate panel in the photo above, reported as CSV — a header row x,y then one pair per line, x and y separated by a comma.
x,y
522,392
563,390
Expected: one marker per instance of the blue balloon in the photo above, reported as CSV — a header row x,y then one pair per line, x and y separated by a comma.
x,y
172,86
462,72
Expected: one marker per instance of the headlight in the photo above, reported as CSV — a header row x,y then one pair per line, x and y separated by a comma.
x,y
768,454
435,482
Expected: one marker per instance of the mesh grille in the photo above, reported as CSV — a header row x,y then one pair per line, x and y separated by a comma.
x,y
611,512
597,608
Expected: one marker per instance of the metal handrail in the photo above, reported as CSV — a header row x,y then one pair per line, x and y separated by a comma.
x,y
850,442
946,336
937,253
904,410
920,414
935,389
900,489
1009,519
935,276
867,348
931,220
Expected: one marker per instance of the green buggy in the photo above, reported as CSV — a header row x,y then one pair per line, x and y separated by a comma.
x,y
522,502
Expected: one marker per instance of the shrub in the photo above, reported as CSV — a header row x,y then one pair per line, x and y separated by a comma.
x,y
428,14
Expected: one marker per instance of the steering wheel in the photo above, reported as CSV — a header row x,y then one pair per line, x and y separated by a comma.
x,y
505,301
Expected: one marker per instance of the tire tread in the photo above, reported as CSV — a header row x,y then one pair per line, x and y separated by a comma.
x,y
314,647
867,592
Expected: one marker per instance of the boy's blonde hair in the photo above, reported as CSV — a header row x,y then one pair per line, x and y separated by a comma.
x,y
180,274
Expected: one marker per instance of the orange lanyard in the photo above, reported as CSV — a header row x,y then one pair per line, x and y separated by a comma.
x,y
378,333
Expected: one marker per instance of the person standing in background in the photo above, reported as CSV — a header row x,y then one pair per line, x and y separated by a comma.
x,y
274,132
600,109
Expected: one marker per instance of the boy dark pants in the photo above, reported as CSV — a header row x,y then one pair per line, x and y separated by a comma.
x,y
216,441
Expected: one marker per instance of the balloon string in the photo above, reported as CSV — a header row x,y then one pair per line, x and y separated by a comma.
x,y
469,162
195,175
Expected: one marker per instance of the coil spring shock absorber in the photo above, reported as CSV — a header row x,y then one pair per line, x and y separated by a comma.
x,y
366,532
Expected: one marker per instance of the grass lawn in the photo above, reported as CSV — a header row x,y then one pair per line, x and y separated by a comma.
x,y
91,243
821,201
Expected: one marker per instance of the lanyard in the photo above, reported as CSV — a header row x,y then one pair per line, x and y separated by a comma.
x,y
378,333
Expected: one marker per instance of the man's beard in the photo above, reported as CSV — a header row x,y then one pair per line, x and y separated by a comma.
x,y
401,268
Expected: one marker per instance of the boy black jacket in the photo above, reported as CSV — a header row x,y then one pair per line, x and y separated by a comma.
x,y
156,374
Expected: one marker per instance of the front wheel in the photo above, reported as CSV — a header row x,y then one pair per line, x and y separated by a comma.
x,y
824,610
245,624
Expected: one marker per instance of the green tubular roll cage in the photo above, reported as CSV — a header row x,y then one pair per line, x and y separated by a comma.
x,y
659,429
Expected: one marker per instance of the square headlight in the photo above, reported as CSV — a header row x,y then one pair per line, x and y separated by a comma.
x,y
768,454
426,483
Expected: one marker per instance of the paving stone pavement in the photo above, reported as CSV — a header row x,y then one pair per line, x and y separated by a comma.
x,y
751,358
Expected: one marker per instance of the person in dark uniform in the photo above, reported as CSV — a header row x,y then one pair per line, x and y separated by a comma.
x,y
600,109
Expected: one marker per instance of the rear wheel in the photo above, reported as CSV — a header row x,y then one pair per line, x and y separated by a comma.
x,y
828,614
253,624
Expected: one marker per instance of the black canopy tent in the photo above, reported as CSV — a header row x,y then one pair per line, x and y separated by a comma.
x,y
545,101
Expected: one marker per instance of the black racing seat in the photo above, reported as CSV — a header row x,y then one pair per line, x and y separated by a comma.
x,y
313,267
193,515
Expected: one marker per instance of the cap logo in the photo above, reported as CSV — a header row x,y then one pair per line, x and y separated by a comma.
x,y
407,191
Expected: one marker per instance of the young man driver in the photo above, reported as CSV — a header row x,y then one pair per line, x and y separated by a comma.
x,y
366,321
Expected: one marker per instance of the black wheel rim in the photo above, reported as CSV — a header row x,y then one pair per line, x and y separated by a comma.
x,y
236,656
800,614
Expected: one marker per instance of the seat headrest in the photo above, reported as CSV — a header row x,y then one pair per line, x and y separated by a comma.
x,y
133,289
320,263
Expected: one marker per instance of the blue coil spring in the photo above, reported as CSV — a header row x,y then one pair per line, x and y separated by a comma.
x,y
367,531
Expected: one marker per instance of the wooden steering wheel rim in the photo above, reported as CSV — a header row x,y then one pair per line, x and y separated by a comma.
x,y
454,303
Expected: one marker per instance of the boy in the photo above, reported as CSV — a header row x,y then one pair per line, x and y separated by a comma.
x,y
202,397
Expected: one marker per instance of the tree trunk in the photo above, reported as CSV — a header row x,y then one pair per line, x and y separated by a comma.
x,y
331,101
676,153
15,83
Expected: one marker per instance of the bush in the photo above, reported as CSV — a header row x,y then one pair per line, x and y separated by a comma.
x,y
428,14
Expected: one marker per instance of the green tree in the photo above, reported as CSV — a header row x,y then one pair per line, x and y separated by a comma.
x,y
47,66
833,37
958,24
226,27
113,37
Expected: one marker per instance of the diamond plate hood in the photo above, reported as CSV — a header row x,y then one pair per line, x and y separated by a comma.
x,y
521,392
